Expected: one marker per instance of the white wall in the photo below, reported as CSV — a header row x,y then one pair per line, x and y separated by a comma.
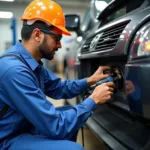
x,y
17,9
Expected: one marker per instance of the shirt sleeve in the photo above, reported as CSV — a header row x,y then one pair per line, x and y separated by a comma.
x,y
28,100
57,89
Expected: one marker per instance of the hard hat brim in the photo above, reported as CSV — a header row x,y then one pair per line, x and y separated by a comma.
x,y
64,31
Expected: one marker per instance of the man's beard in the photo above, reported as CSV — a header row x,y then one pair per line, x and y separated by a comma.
x,y
44,49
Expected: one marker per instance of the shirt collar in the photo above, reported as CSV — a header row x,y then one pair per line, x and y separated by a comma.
x,y
30,60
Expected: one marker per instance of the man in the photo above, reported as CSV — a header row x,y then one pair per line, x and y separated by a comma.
x,y
32,122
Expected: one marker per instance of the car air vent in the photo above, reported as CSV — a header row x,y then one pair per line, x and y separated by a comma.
x,y
105,40
87,44
109,38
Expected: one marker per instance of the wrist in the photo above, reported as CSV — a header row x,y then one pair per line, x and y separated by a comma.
x,y
94,99
91,81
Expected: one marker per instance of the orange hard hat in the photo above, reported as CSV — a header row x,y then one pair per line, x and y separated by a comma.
x,y
47,11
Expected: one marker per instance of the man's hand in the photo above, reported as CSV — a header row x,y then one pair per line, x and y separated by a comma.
x,y
103,92
98,75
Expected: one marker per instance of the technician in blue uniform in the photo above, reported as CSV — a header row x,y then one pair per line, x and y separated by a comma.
x,y
32,122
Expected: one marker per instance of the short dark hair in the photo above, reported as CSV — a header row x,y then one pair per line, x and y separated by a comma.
x,y
27,30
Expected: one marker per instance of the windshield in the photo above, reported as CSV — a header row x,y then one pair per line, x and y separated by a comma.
x,y
100,5
92,12
120,11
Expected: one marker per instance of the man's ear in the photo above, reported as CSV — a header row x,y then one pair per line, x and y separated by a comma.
x,y
37,35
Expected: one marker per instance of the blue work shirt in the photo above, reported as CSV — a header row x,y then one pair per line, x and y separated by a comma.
x,y
24,87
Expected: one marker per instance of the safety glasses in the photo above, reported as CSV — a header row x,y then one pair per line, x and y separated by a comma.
x,y
58,37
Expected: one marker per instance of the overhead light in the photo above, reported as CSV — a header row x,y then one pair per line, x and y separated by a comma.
x,y
5,14
101,5
7,0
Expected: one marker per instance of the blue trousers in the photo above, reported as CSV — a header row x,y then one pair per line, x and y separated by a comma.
x,y
30,142
40,142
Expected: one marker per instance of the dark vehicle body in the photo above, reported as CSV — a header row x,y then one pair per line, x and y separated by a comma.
x,y
88,25
122,41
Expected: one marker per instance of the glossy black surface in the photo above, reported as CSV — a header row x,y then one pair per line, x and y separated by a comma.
x,y
119,43
121,128
138,74
120,35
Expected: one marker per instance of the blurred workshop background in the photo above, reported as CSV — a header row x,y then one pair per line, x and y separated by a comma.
x,y
10,27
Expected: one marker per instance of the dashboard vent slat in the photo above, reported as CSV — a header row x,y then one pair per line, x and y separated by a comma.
x,y
86,46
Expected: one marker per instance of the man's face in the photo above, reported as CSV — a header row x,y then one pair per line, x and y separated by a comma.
x,y
50,44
